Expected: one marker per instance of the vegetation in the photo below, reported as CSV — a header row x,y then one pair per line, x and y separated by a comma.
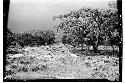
x,y
31,38
90,26
43,58
56,62
10,37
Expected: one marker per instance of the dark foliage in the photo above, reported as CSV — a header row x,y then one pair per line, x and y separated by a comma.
x,y
10,37
66,40
36,38
31,38
90,26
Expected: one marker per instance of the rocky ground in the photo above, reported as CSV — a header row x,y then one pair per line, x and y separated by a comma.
x,y
58,62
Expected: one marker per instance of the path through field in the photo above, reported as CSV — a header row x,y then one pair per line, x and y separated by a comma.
x,y
58,62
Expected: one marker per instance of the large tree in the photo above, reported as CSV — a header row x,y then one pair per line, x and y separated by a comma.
x,y
90,26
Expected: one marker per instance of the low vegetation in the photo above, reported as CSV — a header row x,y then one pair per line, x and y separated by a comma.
x,y
57,62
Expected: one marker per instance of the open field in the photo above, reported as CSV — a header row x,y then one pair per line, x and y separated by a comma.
x,y
60,62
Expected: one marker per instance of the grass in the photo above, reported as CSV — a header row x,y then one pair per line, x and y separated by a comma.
x,y
100,52
87,66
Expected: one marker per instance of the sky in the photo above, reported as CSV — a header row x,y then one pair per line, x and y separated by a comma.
x,y
25,15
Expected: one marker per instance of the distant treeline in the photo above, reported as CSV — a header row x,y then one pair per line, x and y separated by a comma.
x,y
31,38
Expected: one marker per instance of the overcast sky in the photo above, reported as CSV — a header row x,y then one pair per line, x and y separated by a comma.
x,y
24,15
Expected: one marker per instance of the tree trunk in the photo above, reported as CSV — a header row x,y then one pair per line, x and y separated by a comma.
x,y
82,47
95,44
95,48
112,49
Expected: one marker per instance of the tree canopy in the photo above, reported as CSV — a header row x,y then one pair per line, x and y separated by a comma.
x,y
90,26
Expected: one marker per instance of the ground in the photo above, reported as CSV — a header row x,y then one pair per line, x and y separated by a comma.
x,y
55,62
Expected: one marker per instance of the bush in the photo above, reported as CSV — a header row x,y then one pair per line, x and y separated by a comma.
x,y
10,37
30,38
36,38
66,40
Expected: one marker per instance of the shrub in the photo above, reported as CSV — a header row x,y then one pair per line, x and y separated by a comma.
x,y
36,38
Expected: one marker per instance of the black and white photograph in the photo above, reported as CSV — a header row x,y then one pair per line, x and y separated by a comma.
x,y
62,41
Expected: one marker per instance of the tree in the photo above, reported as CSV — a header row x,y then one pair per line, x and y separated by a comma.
x,y
49,37
36,37
89,25
10,37
115,35
24,39
66,39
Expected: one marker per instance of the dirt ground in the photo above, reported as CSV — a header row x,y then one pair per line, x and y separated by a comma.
x,y
57,62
